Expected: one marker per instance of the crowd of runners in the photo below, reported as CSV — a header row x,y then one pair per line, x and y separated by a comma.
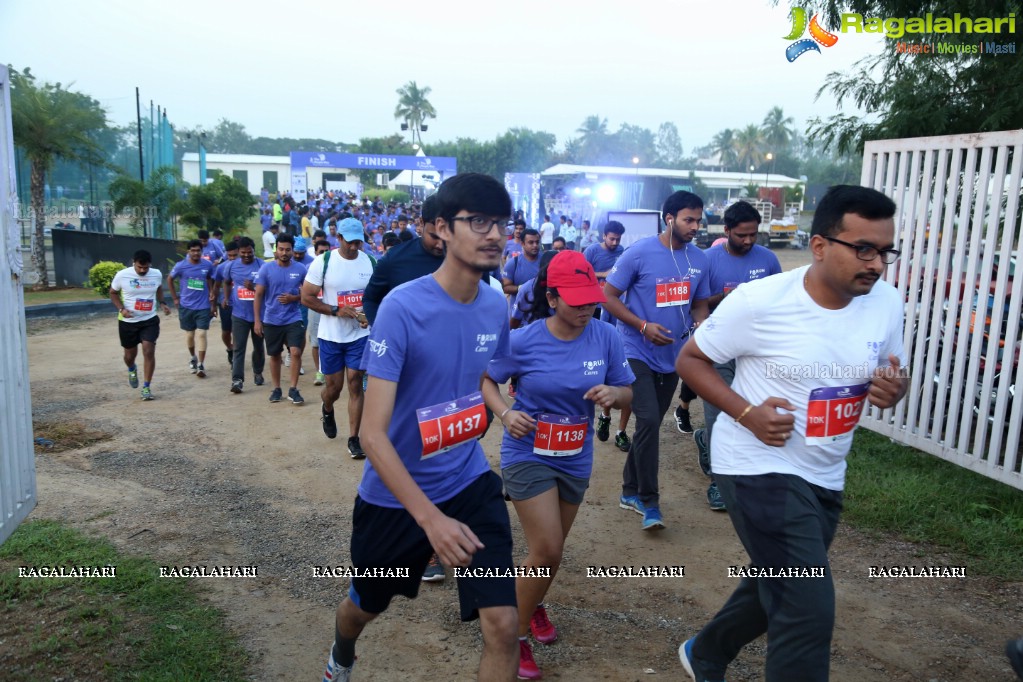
x,y
446,317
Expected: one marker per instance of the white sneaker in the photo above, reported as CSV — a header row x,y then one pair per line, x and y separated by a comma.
x,y
334,672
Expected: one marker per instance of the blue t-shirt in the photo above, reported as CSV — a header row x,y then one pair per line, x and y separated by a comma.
x,y
520,269
242,299
728,271
212,252
600,258
512,248
553,375
305,260
463,338
194,290
656,279
522,307
280,280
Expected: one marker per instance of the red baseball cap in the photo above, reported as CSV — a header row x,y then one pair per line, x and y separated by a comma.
x,y
572,275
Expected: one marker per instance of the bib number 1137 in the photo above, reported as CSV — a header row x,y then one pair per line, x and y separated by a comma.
x,y
448,425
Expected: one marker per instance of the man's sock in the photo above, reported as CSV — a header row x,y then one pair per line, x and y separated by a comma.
x,y
344,650
145,384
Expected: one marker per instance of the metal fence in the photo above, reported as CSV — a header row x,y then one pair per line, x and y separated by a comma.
x,y
958,226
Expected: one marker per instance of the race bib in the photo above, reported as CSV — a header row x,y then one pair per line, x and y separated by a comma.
x,y
144,305
833,412
352,299
244,294
559,435
447,425
672,292
729,287
196,283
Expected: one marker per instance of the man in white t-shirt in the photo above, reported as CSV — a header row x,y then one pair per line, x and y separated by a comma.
x,y
811,347
547,234
571,235
342,275
270,241
136,292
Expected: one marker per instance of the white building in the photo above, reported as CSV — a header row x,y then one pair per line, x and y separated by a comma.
x,y
257,171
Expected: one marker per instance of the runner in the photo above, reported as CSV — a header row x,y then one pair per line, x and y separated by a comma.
x,y
781,439
277,316
313,329
223,299
546,233
212,249
269,239
514,245
737,261
135,292
420,494
665,278
523,306
523,266
196,304
333,287
565,364
240,292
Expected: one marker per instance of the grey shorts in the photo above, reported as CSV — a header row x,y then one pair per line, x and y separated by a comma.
x,y
528,479
314,329
189,319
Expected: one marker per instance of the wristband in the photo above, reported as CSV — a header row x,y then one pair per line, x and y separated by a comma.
x,y
642,329
744,413
501,418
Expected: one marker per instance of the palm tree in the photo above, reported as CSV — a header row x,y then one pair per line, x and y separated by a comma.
x,y
723,145
777,129
749,146
413,108
51,123
593,139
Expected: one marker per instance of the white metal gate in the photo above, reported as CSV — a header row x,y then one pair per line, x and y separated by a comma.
x,y
17,459
958,226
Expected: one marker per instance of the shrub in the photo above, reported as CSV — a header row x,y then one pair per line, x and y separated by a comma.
x,y
101,275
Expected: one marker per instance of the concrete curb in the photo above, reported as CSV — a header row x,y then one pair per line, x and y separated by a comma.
x,y
72,308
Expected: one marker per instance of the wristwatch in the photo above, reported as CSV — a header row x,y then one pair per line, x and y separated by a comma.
x,y
333,310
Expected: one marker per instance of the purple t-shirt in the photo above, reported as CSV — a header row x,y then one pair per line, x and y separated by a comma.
x,y
194,290
512,248
520,269
600,258
655,279
553,377
242,299
728,271
463,338
280,280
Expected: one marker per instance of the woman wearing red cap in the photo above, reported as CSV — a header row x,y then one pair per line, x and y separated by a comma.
x,y
566,363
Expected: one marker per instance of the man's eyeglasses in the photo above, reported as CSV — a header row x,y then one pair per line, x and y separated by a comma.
x,y
869,253
482,224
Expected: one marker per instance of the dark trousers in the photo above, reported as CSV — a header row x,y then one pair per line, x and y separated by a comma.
x,y
782,521
726,370
241,330
651,397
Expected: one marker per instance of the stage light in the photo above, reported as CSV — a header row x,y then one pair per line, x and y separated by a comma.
x,y
606,194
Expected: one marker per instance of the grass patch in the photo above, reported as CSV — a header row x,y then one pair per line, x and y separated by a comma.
x,y
135,626
65,435
894,489
66,295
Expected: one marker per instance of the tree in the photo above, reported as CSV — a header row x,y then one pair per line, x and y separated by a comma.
x,y
669,145
51,122
228,137
593,141
151,202
414,108
914,95
224,203
632,142
723,145
777,130
749,146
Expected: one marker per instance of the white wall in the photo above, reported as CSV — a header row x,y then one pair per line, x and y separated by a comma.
x,y
190,170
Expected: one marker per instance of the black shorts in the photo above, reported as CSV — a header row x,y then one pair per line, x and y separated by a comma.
x,y
134,333
390,538
225,318
276,336
190,319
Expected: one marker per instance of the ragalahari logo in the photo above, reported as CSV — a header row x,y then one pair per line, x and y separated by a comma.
x,y
818,35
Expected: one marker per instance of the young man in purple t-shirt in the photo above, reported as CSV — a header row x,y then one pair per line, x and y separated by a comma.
x,y
278,316
196,305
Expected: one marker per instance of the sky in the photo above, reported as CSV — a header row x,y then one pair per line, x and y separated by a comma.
x,y
330,70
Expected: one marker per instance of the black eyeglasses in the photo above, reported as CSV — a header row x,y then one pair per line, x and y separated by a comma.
x,y
482,224
869,253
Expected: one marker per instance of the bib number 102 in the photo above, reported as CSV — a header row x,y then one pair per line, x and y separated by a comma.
x,y
848,410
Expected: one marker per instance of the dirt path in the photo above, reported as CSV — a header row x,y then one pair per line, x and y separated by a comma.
x,y
203,477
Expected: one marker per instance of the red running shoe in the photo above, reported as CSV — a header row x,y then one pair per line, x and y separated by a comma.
x,y
542,627
528,669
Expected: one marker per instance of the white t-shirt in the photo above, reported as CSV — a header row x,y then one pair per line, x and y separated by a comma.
x,y
570,233
547,233
269,244
786,345
344,284
138,293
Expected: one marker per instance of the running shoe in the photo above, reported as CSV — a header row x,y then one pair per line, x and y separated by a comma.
x,y
295,397
632,502
622,441
652,518
434,572
703,450
275,395
287,359
200,371
193,364
319,379
682,422
542,628
334,672
258,380
329,425
301,371
133,378
714,499
528,669
355,448
685,654
236,386
603,427
1014,650
146,393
